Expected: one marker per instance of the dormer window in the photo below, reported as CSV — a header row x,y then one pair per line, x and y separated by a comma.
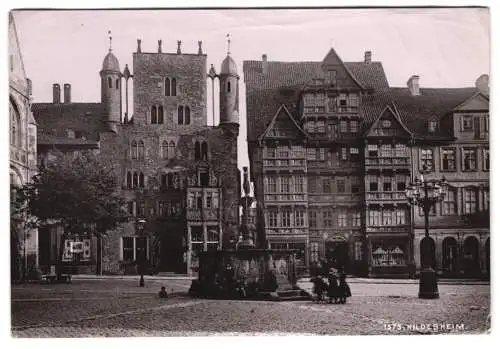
x,y
432,126
467,123
332,77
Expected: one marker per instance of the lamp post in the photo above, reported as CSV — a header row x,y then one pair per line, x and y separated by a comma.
x,y
140,227
425,193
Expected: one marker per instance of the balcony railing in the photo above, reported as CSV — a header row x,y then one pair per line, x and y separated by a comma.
x,y
386,195
403,228
285,197
284,162
403,161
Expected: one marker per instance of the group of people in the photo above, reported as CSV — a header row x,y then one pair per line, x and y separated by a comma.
x,y
336,291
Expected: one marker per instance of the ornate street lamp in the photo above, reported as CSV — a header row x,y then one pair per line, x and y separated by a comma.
x,y
140,228
425,193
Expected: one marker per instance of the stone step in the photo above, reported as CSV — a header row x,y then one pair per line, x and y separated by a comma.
x,y
290,295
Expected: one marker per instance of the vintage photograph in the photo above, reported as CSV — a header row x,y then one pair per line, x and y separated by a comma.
x,y
200,172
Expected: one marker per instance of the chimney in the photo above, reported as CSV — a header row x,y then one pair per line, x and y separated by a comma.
x,y
179,47
483,84
159,46
264,64
56,94
67,93
200,51
368,57
139,46
413,85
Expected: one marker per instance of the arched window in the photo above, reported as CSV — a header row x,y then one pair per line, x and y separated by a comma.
x,y
15,125
154,118
180,115
129,179
204,151
117,84
141,180
174,87
133,150
164,150
140,153
160,114
167,87
135,180
197,151
110,82
229,86
170,180
187,115
171,150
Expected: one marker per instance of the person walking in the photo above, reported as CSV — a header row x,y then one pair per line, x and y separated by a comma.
x,y
333,287
344,290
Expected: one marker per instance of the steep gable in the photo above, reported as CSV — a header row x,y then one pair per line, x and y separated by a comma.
x,y
333,71
388,124
283,126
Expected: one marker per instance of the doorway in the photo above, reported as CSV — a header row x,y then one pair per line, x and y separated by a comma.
x,y
450,250
337,254
471,257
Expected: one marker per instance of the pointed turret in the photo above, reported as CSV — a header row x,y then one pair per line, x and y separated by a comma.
x,y
111,88
229,89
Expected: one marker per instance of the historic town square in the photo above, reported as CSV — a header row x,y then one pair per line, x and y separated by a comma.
x,y
242,171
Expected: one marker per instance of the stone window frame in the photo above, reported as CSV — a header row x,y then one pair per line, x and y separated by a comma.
x,y
201,150
135,179
16,138
157,114
183,115
171,82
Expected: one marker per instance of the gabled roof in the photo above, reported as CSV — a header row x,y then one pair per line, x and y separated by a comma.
x,y
414,111
332,58
395,114
468,100
284,80
54,119
273,121
282,74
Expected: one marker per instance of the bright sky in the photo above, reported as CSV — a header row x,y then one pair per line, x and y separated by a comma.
x,y
445,47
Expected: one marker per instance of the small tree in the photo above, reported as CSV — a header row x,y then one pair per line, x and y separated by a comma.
x,y
79,192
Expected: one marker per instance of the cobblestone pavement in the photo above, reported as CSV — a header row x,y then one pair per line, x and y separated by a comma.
x,y
120,308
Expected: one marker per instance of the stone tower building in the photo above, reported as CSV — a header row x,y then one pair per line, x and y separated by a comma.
x,y
178,175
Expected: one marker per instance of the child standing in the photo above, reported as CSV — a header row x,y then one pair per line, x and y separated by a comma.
x,y
344,289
